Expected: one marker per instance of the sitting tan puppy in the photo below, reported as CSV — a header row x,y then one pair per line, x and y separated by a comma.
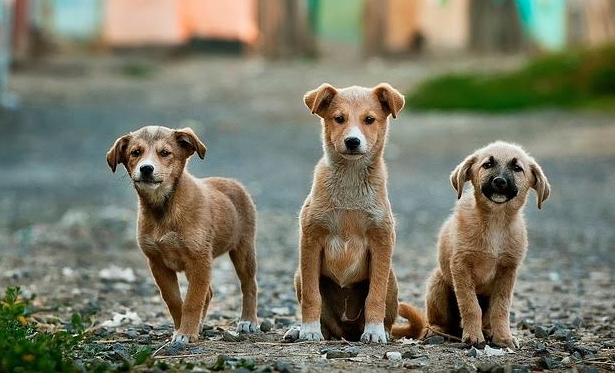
x,y
345,283
185,222
482,245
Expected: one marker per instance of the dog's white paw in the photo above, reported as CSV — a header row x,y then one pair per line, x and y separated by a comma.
x,y
246,326
374,333
310,332
183,339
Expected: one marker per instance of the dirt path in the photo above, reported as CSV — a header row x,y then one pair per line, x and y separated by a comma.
x,y
64,217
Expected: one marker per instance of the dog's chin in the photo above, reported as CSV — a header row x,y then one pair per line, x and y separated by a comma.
x,y
351,156
499,198
147,184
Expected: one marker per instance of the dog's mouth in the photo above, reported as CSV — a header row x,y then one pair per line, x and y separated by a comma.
x,y
148,182
351,154
499,196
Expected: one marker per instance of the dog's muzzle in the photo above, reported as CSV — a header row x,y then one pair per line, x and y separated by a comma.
x,y
500,189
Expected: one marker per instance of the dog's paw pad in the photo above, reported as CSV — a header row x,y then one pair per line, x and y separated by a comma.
x,y
374,333
311,332
246,326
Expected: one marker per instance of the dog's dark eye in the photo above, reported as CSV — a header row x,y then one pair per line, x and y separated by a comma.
x,y
517,168
164,153
487,165
369,119
135,153
339,119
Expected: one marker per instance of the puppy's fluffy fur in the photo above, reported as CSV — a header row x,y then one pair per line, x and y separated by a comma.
x,y
345,283
482,245
185,222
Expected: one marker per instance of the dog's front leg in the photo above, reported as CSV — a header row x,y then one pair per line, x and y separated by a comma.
x,y
380,243
467,301
311,301
499,306
198,274
166,279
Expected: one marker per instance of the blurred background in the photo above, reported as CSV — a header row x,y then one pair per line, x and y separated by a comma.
x,y
77,74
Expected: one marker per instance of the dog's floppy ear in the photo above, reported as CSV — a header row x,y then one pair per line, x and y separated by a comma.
x,y
319,99
391,100
117,153
462,173
190,141
540,184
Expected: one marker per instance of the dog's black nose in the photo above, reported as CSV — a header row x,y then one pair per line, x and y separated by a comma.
x,y
499,182
352,143
147,169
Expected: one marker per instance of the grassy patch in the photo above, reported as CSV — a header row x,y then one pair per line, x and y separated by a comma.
x,y
25,347
573,79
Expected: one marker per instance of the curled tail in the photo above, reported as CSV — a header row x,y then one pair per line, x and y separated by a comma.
x,y
414,328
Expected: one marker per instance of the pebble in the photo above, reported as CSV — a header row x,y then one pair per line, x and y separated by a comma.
x,y
434,340
546,362
412,353
459,345
541,332
462,368
393,356
283,321
587,369
562,334
472,352
228,337
416,363
292,335
283,366
541,349
266,326
335,353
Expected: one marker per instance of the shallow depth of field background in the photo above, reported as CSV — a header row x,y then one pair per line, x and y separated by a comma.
x,y
76,75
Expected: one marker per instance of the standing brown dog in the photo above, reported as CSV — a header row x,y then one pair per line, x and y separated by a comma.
x,y
185,222
482,245
345,283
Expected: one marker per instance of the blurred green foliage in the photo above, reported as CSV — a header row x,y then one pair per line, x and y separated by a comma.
x,y
572,79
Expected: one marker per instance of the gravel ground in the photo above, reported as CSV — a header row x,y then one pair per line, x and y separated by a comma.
x,y
67,229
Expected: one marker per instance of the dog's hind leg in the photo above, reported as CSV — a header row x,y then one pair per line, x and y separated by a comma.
x,y
244,260
437,304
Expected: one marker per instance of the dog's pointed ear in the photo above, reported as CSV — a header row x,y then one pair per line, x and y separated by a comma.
x,y
117,152
190,141
391,100
540,184
319,99
462,173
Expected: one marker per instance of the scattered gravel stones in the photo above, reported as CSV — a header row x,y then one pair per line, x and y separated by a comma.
x,y
416,363
228,337
541,332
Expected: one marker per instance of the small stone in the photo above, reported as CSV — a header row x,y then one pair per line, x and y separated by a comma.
x,y
228,337
541,349
462,368
520,369
416,363
345,353
266,326
472,352
541,332
292,335
587,369
393,356
583,350
412,353
283,366
562,334
546,362
576,356
524,324
131,333
434,340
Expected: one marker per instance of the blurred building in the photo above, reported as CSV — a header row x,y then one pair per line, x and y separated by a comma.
x,y
280,28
